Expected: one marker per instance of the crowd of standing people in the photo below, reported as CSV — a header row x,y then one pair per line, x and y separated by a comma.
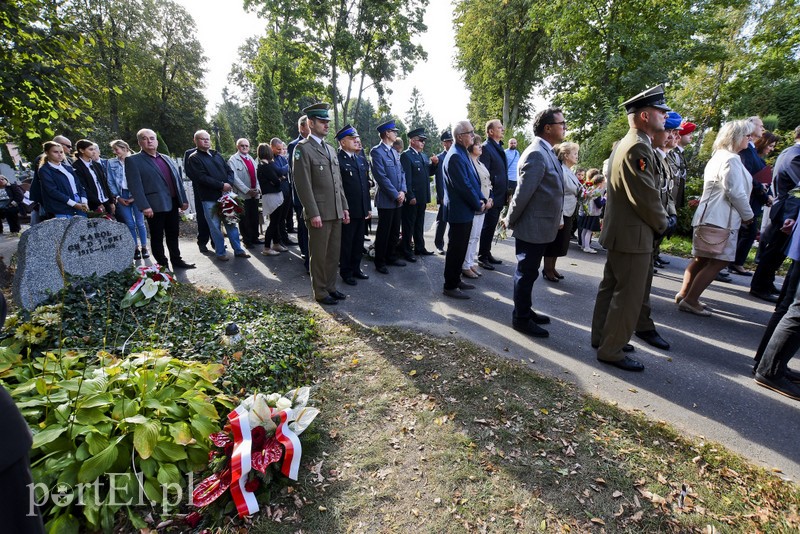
x,y
323,194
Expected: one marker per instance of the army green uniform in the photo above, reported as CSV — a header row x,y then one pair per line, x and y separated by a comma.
x,y
318,182
634,216
665,184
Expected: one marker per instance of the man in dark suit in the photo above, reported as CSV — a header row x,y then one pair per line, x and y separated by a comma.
x,y
441,225
297,206
214,179
319,186
418,169
355,182
634,217
391,180
494,159
462,199
203,233
535,213
154,182
785,177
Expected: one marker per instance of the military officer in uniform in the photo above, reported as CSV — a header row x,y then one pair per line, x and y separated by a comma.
x,y
418,169
634,217
319,186
388,174
645,327
355,181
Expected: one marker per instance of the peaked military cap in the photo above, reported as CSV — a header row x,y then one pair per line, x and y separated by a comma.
x,y
318,111
387,126
652,98
673,121
346,131
417,132
687,128
446,136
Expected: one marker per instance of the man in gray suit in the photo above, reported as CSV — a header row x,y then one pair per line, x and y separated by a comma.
x,y
158,192
535,214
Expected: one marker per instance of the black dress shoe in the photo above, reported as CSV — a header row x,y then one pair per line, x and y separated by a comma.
x,y
723,277
485,265
360,275
627,348
248,245
626,364
137,254
396,263
183,265
539,318
493,260
651,337
662,260
412,259
658,264
794,376
350,281
455,294
781,385
464,285
329,300
769,297
338,295
382,269
424,253
530,328
203,249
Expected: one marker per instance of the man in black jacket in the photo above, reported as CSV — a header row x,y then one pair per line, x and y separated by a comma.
x,y
494,158
441,225
213,179
355,182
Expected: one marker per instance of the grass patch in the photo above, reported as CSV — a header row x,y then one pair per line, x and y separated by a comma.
x,y
681,246
438,435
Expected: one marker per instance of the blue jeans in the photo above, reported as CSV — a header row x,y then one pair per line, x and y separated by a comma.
x,y
68,216
134,219
216,234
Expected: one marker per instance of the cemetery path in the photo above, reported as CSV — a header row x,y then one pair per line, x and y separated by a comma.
x,y
703,386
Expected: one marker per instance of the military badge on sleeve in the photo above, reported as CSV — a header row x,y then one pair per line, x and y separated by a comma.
x,y
297,152
642,164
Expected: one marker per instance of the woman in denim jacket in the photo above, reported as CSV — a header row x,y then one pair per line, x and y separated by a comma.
x,y
126,208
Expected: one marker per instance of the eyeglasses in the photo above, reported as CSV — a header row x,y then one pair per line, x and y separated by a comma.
x,y
562,123
68,147
471,132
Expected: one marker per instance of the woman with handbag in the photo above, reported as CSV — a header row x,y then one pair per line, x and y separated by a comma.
x,y
723,208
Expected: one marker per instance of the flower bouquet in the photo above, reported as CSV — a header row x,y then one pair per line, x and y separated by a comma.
x,y
501,230
262,432
152,285
229,208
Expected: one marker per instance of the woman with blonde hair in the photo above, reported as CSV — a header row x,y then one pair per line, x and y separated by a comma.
x,y
723,208
567,154
126,207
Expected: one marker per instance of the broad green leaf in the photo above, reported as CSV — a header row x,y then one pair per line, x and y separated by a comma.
x,y
96,442
137,419
204,426
90,416
202,406
47,435
63,524
169,452
99,463
169,474
181,433
145,438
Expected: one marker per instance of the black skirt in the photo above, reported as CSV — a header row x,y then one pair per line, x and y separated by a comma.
x,y
560,244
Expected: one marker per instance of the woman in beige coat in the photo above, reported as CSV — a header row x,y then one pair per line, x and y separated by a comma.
x,y
724,204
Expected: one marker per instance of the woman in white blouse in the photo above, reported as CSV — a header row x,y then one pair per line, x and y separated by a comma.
x,y
469,268
725,203
567,154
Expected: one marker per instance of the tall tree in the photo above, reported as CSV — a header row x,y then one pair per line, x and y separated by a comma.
x,y
418,117
503,54
270,122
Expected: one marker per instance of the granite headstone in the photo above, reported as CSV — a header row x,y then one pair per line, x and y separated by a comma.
x,y
95,246
79,247
38,273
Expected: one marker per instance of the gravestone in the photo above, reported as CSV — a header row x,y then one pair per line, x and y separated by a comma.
x,y
37,268
95,246
78,247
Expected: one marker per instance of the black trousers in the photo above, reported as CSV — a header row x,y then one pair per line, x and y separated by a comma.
x,y
770,259
458,242
487,234
387,234
289,212
165,224
277,223
248,227
352,249
745,240
441,226
12,215
15,507
413,228
782,337
302,232
529,259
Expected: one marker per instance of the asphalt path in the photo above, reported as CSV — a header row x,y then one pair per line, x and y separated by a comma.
x,y
702,386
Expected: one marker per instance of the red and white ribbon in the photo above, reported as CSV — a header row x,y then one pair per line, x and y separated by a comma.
x,y
290,442
246,503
